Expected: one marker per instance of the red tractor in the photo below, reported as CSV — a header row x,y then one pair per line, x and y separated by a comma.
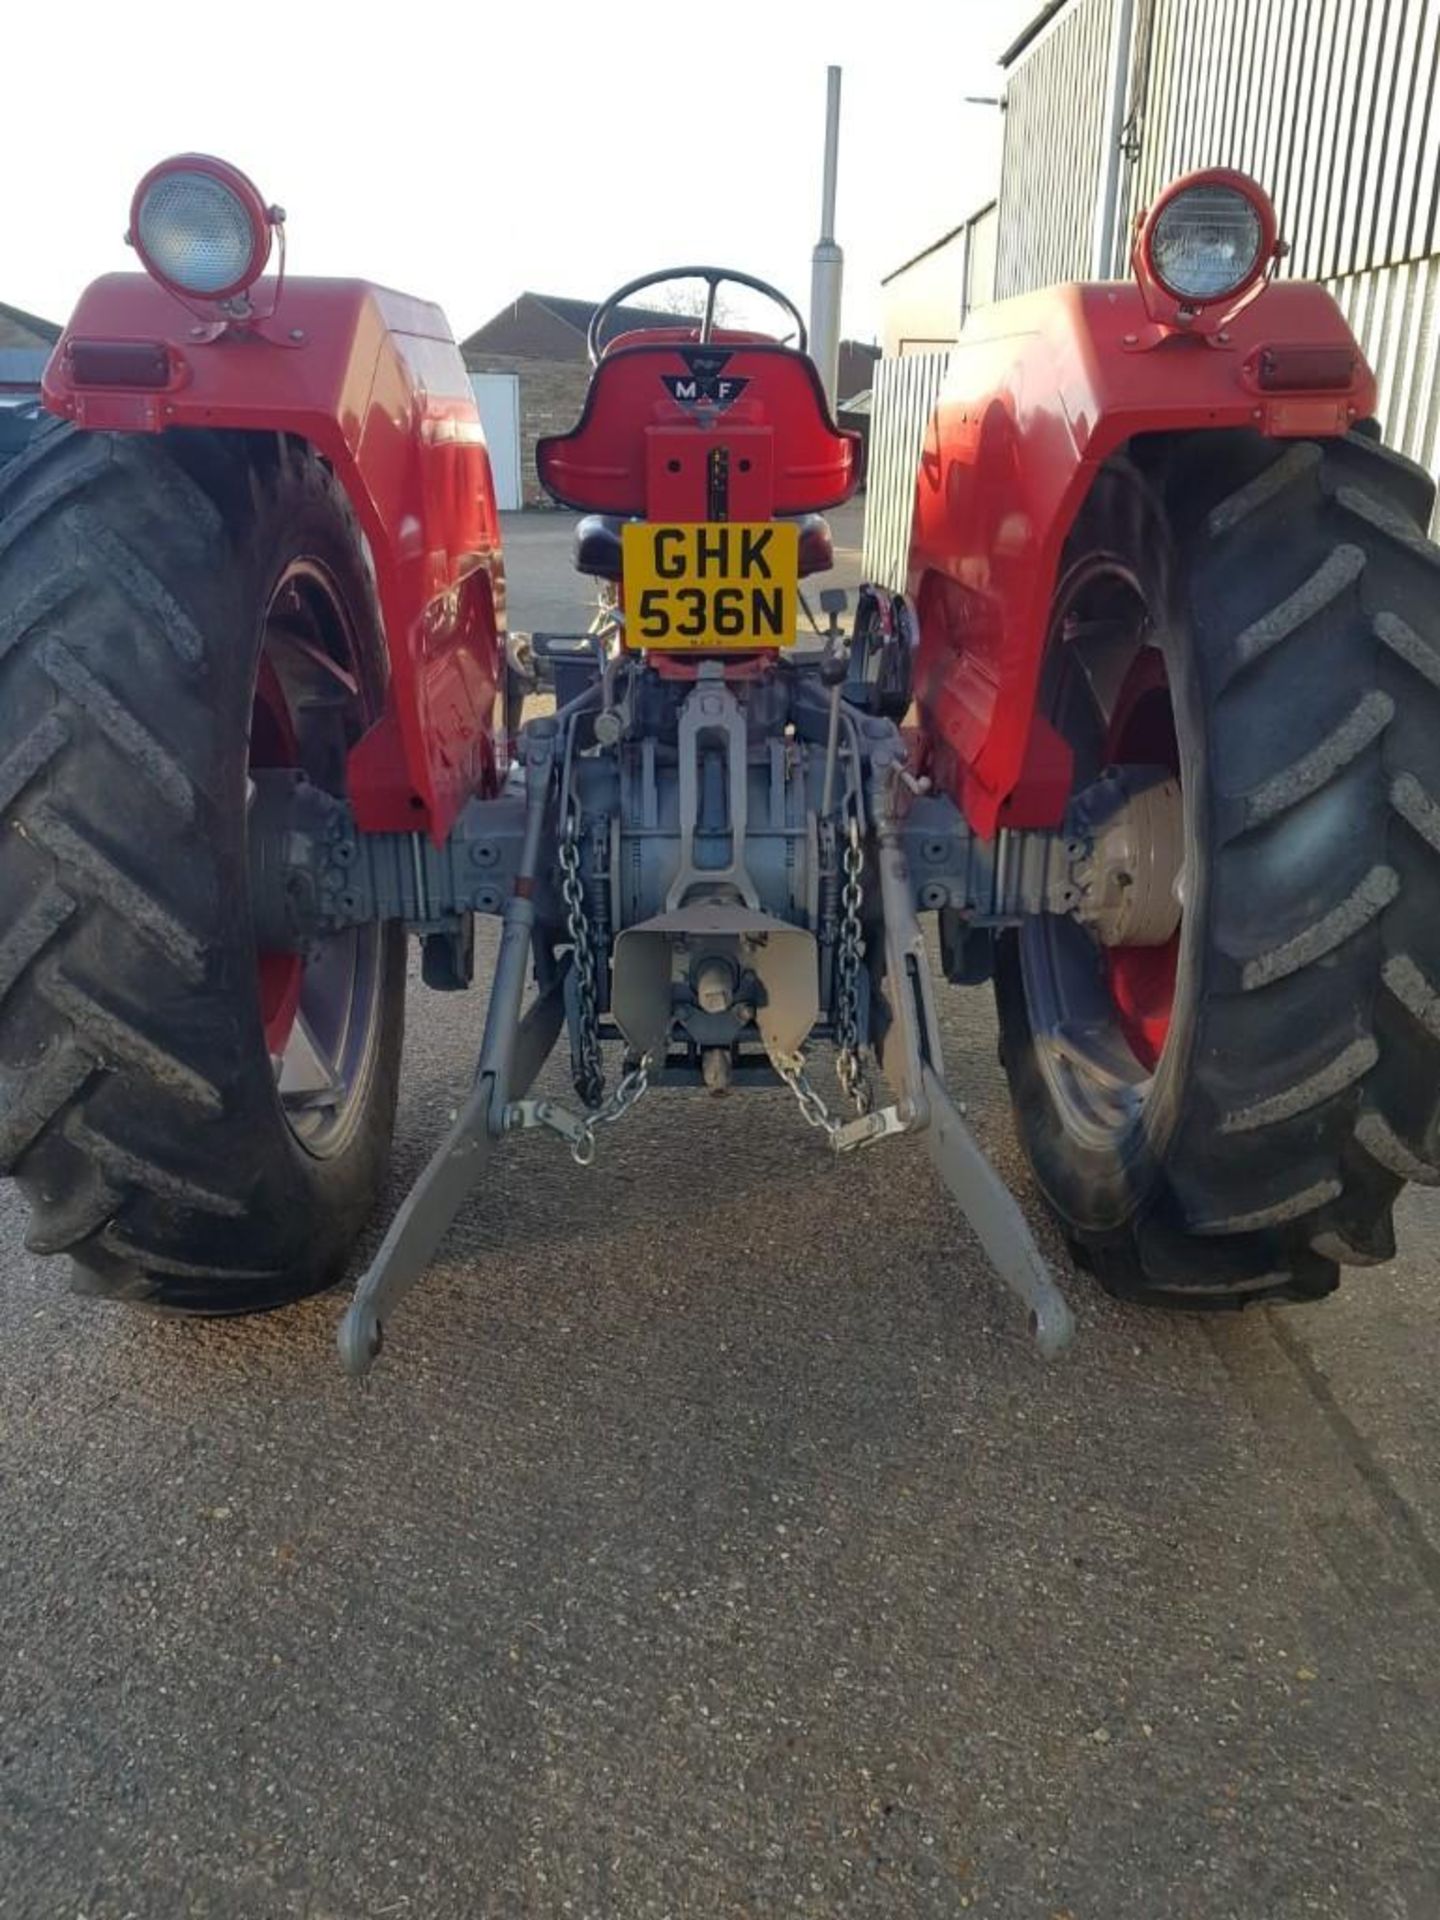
x,y
1155,735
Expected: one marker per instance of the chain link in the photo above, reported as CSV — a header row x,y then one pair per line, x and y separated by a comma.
x,y
850,957
631,1088
578,1129
587,1061
791,1069
849,1065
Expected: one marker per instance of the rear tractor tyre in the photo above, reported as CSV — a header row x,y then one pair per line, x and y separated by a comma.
x,y
194,1124
1229,1118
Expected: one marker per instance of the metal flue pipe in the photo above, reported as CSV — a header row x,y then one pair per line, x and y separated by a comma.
x,y
827,268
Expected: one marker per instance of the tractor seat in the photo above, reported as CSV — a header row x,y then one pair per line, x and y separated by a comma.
x,y
597,545
658,411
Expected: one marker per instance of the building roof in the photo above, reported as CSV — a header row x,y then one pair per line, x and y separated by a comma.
x,y
21,329
579,313
545,311
1041,18
923,254
935,245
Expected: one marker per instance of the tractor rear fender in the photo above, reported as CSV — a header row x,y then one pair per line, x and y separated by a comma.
x,y
374,381
1041,390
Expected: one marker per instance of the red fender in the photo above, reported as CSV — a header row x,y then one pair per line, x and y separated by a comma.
x,y
1040,392
375,382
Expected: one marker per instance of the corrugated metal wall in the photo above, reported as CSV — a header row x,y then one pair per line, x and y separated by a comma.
x,y
1394,312
1329,103
1056,119
903,397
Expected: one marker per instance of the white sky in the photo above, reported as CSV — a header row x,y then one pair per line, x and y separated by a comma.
x,y
468,152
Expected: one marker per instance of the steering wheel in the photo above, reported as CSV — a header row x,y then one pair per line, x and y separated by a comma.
x,y
714,278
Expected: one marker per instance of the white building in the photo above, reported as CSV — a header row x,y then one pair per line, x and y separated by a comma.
x,y
1330,104
925,300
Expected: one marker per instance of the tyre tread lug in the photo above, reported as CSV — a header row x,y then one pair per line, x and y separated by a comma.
x,y
1275,1213
1335,1077
26,938
134,740
1339,571
1356,733
133,903
1355,912
115,1038
1416,992
1384,1146
123,1166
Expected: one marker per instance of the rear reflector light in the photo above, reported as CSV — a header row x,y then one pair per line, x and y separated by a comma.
x,y
118,363
1307,369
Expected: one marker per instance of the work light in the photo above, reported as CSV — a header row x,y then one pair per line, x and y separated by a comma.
x,y
201,227
1207,237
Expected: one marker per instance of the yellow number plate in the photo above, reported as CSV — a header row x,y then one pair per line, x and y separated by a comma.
x,y
711,585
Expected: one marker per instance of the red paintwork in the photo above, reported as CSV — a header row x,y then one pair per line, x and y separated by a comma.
x,y
637,450
1041,390
1142,986
375,382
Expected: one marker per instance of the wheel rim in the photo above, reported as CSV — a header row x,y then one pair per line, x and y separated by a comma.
x,y
321,1009
1102,1015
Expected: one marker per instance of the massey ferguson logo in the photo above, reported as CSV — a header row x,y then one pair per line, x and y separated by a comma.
x,y
705,386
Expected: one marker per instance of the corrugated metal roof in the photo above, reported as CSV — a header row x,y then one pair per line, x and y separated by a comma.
x,y
1022,40
935,245
29,326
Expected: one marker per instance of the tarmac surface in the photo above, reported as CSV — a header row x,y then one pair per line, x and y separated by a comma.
x,y
710,1542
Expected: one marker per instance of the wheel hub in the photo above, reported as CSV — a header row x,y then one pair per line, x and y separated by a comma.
x,y
1128,881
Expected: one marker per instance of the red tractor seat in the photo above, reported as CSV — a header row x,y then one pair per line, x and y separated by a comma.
x,y
736,429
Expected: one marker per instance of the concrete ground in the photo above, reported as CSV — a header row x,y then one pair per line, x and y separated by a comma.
x,y
727,1556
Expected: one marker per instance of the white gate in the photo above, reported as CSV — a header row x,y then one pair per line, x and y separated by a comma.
x,y
497,395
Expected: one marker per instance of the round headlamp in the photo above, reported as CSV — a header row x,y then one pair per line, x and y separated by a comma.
x,y
201,227
1205,239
